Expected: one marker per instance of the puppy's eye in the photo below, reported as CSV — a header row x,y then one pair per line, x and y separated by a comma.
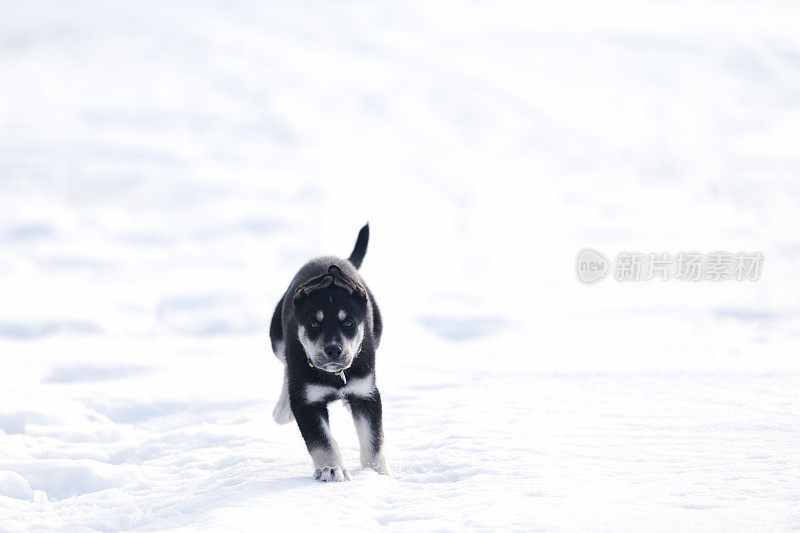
x,y
348,322
314,324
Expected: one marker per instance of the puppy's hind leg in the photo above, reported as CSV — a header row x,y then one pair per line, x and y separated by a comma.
x,y
282,414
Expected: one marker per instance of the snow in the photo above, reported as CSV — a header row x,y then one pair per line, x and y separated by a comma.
x,y
166,168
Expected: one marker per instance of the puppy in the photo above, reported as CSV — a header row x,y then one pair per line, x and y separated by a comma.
x,y
325,330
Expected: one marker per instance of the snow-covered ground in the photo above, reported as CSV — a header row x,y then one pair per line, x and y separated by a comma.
x,y
166,167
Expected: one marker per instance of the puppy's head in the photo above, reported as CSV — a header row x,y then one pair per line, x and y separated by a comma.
x,y
331,311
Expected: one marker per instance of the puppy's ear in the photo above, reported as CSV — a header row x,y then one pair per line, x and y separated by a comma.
x,y
298,297
360,293
314,284
335,277
343,281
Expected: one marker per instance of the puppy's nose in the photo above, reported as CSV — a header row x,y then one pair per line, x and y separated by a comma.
x,y
333,351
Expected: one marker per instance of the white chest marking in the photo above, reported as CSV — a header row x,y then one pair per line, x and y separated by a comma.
x,y
359,387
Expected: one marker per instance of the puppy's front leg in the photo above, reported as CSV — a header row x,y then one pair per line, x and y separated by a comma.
x,y
368,419
312,419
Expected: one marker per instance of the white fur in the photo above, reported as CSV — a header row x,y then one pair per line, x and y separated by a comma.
x,y
364,438
328,463
352,346
280,351
360,387
375,461
320,315
342,314
316,393
282,414
308,345
328,474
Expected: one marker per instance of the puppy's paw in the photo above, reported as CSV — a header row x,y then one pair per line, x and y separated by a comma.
x,y
382,469
377,463
332,473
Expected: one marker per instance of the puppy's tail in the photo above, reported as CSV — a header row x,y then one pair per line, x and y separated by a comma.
x,y
360,249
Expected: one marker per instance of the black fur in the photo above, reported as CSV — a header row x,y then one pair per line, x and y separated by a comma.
x,y
360,249
330,284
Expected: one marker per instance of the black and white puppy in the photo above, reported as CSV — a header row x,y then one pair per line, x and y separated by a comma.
x,y
325,330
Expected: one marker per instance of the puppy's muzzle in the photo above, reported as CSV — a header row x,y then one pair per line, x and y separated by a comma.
x,y
331,355
335,359
333,351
